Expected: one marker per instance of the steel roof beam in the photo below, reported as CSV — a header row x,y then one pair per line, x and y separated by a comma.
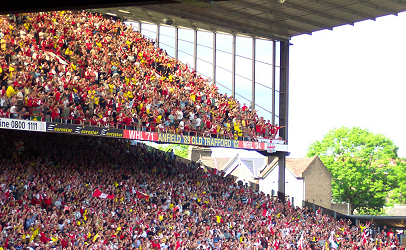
x,y
263,20
403,3
343,9
373,6
146,16
320,14
219,23
267,10
144,11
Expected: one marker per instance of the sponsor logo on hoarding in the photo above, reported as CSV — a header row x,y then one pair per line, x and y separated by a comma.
x,y
26,125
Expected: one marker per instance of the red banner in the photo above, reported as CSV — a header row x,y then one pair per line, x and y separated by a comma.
x,y
140,135
251,145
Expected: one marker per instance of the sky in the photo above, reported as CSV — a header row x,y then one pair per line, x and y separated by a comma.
x,y
350,76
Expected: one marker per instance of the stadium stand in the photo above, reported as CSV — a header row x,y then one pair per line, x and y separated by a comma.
x,y
76,192
79,67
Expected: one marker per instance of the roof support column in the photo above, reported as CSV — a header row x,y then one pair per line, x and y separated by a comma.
x,y
281,178
176,43
273,80
158,28
139,27
284,90
195,50
253,73
233,68
283,111
214,57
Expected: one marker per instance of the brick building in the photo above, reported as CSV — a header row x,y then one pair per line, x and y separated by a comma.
x,y
306,179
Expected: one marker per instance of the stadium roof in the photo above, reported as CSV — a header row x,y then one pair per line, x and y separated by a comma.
x,y
270,19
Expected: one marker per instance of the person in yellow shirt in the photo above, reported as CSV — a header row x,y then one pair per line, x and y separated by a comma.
x,y
12,68
193,96
3,42
237,126
10,91
111,87
96,101
130,95
158,119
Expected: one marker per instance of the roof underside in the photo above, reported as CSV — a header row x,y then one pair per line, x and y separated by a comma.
x,y
268,19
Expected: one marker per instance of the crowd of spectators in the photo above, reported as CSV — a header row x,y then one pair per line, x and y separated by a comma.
x,y
111,76
60,191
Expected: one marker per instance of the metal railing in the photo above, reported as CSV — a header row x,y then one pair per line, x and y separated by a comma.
x,y
36,114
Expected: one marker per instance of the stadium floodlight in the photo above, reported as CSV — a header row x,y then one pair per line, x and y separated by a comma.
x,y
111,14
124,11
281,1
168,21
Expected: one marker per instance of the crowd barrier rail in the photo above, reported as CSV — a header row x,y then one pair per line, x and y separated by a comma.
x,y
43,123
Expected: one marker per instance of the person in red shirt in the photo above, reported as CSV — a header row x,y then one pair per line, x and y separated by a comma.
x,y
44,237
55,113
244,108
94,121
275,130
64,242
57,96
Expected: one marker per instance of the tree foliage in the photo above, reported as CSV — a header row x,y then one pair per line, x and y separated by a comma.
x,y
180,150
397,179
359,162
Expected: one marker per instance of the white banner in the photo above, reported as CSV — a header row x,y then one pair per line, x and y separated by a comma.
x,y
273,145
26,125
273,141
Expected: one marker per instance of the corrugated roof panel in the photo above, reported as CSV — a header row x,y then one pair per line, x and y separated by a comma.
x,y
393,5
267,18
301,25
250,12
271,18
376,10
315,7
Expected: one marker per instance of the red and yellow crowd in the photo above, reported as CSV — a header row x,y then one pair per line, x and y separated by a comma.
x,y
60,191
83,68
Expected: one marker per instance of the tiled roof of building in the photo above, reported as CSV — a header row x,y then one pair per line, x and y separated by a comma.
x,y
299,165
295,165
214,162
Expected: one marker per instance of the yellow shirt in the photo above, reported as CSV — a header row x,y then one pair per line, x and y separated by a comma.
x,y
3,44
68,51
10,91
130,95
111,87
236,127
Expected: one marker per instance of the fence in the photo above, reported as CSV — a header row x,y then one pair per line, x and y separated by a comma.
x,y
327,211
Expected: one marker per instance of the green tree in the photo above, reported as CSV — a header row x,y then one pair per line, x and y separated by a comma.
x,y
180,150
397,180
359,162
